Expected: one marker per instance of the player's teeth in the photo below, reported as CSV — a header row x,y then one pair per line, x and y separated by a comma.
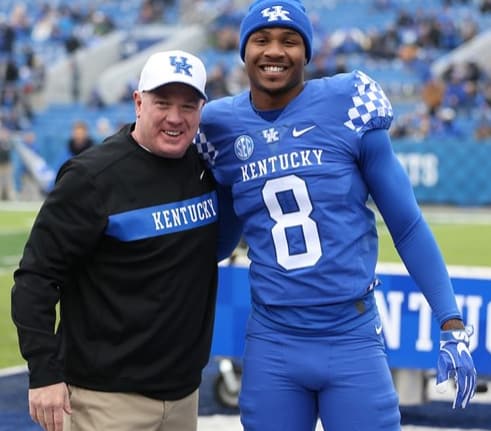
x,y
273,69
172,133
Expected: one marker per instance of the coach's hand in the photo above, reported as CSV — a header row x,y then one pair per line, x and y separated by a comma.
x,y
47,404
455,361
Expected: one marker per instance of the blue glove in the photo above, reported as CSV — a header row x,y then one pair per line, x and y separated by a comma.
x,y
455,361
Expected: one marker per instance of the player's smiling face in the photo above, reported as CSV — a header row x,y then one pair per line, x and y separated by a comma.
x,y
168,119
274,60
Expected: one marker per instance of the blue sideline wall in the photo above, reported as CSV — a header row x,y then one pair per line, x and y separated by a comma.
x,y
441,172
411,331
448,172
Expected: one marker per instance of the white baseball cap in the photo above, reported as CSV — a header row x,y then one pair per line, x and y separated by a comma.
x,y
173,66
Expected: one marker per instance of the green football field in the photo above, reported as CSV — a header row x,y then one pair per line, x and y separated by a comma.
x,y
465,240
14,227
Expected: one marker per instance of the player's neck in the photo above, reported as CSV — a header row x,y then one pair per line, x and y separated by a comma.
x,y
262,100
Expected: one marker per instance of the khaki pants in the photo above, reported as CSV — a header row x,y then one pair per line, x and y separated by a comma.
x,y
111,411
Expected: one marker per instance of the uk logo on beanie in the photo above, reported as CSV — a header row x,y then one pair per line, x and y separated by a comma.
x,y
276,13
281,13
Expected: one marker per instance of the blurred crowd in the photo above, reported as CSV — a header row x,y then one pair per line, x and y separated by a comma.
x,y
34,35
397,46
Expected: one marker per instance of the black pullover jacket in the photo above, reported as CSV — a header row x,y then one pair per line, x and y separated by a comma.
x,y
126,242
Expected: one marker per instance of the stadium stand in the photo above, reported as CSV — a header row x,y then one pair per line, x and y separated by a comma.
x,y
430,56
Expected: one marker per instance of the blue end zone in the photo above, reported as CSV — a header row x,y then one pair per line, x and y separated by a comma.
x,y
14,411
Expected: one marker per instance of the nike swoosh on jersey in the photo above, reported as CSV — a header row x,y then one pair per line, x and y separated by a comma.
x,y
378,329
297,133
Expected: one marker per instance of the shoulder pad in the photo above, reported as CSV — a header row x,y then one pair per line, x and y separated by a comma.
x,y
370,108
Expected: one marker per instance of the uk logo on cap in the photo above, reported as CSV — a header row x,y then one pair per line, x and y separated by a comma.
x,y
181,66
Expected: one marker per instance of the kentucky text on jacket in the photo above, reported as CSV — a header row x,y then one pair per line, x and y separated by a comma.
x,y
163,219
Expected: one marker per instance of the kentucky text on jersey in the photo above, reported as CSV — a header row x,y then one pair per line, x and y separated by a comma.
x,y
281,162
163,219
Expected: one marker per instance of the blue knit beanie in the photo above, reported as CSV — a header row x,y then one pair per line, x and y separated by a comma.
x,y
279,13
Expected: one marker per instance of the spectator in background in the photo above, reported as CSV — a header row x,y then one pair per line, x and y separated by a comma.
x,y
461,87
26,186
482,131
16,107
216,86
325,61
149,12
95,101
101,23
20,21
15,89
443,125
33,71
75,81
79,141
237,80
104,128
7,36
485,6
6,183
414,125
432,94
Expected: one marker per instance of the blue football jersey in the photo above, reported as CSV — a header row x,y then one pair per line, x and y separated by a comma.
x,y
298,189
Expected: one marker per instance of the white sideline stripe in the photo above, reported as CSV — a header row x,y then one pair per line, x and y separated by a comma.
x,y
232,423
10,231
9,260
20,206
11,371
478,272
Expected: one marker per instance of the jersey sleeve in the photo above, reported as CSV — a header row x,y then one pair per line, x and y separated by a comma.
x,y
214,127
392,192
205,148
65,231
369,106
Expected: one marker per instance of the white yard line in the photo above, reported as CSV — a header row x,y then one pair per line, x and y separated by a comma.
x,y
232,423
19,206
19,369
